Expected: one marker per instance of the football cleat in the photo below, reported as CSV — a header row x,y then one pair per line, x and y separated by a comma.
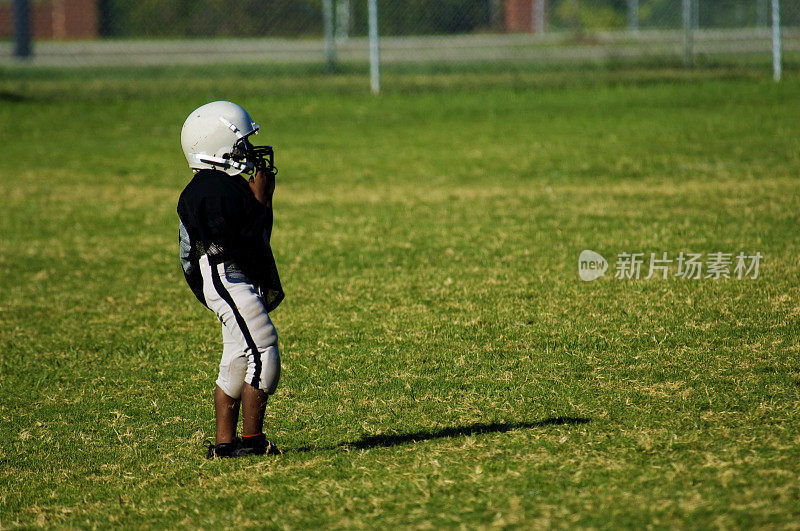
x,y
256,445
222,449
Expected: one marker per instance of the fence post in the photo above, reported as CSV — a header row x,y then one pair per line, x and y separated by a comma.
x,y
633,15
342,19
374,48
538,14
687,33
22,29
330,45
776,40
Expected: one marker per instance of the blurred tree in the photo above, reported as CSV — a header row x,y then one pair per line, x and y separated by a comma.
x,y
210,18
245,18
426,17
580,15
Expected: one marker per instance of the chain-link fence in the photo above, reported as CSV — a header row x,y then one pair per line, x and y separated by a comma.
x,y
433,35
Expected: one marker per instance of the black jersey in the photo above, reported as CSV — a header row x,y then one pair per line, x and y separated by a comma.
x,y
220,217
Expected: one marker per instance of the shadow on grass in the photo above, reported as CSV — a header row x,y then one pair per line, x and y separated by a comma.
x,y
386,441
12,97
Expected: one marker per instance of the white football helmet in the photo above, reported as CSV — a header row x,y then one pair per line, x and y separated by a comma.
x,y
215,136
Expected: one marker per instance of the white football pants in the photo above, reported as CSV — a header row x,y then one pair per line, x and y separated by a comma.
x,y
250,342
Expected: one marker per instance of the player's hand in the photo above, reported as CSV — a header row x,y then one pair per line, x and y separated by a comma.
x,y
262,183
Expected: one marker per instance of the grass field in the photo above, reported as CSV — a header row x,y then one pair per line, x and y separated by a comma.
x,y
443,364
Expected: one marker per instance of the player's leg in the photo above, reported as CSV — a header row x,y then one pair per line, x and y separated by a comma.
x,y
239,306
227,392
242,311
254,442
254,404
262,375
226,411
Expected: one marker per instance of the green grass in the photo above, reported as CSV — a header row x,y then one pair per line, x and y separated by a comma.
x,y
443,364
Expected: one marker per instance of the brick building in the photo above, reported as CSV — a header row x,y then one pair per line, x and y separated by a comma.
x,y
54,19
525,16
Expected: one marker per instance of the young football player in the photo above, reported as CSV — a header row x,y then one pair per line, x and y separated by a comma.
x,y
225,227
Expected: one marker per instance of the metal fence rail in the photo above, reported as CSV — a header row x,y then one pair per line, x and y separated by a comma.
x,y
550,48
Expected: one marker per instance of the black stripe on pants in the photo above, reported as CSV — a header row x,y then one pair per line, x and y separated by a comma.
x,y
226,296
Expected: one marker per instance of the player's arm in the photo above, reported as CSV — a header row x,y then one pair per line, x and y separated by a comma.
x,y
255,224
263,186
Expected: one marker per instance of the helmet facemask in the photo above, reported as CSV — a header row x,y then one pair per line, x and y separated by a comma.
x,y
254,157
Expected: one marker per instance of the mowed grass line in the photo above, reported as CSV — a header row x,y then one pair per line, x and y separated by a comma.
x,y
443,363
